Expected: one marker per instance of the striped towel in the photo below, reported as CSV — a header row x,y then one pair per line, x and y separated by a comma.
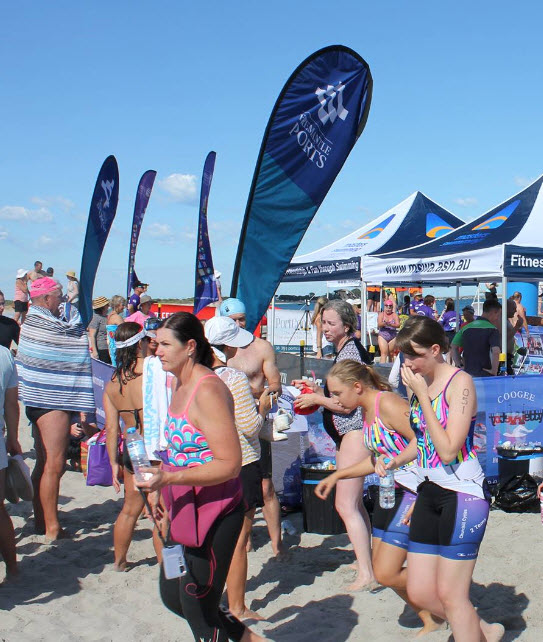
x,y
53,362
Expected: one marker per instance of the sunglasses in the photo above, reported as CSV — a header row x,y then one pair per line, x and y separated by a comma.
x,y
151,323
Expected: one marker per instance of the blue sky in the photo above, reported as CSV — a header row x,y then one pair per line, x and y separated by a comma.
x,y
456,114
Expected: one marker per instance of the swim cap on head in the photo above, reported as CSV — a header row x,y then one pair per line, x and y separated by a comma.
x,y
231,306
43,286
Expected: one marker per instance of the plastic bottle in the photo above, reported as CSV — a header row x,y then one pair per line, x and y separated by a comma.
x,y
138,455
502,368
386,489
288,527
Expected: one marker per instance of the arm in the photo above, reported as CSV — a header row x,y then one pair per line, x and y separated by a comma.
x,y
212,412
494,360
249,421
11,416
92,342
318,333
380,322
462,407
269,367
112,435
395,413
455,353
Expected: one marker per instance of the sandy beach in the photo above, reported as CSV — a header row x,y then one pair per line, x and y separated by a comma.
x,y
70,592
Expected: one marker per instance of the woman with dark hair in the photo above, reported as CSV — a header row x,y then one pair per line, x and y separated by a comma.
x,y
339,324
388,435
448,319
452,505
123,399
203,450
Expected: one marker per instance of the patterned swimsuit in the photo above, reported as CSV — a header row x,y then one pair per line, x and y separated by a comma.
x,y
187,446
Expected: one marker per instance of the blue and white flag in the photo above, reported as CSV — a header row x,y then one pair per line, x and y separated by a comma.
x,y
317,119
205,289
101,214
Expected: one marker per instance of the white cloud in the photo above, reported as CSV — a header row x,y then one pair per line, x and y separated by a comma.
x,y
159,231
3,234
19,213
181,187
468,201
44,241
522,181
51,201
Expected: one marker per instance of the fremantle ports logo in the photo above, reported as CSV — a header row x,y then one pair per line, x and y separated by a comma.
x,y
307,130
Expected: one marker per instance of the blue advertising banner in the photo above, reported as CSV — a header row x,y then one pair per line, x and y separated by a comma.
x,y
205,288
143,194
101,214
101,374
317,119
523,262
509,409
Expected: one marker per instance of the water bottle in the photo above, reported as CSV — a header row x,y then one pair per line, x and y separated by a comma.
x,y
138,455
386,489
502,368
288,527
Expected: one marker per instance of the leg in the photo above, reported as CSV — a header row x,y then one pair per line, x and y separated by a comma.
x,y
272,514
350,508
392,349
39,521
383,349
126,521
237,575
54,433
7,534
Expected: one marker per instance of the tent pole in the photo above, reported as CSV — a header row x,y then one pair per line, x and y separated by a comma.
x,y
504,315
457,305
272,333
363,312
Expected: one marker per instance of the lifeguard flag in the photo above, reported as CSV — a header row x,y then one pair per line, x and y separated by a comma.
x,y
205,287
143,195
101,214
317,119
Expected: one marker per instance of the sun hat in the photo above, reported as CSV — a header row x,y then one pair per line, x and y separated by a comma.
x,y
43,286
224,331
231,306
71,273
21,273
146,299
469,308
18,480
99,302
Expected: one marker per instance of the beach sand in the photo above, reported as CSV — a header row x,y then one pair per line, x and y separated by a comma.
x,y
70,592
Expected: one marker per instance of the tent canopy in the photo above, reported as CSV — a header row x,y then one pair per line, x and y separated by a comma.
x,y
505,242
411,222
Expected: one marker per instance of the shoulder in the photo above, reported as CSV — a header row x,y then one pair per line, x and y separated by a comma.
x,y
391,404
460,381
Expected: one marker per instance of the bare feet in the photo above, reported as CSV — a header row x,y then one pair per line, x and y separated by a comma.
x,y
431,626
247,614
120,567
360,586
492,632
52,538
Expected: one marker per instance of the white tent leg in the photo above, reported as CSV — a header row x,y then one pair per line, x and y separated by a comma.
x,y
363,313
271,334
504,315
457,305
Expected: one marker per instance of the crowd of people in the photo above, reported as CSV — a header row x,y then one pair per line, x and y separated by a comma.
x,y
200,396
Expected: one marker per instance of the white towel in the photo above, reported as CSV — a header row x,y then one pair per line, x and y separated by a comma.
x,y
157,392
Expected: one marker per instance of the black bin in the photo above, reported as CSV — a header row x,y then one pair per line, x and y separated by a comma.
x,y
513,462
319,516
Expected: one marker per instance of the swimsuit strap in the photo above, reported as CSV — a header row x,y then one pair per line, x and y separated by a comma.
x,y
444,391
194,392
136,413
377,397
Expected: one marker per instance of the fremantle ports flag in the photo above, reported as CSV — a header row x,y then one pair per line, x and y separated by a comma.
x,y
205,289
317,119
101,214
143,195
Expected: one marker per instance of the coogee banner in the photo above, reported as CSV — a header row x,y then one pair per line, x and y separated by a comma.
x,y
317,119
339,270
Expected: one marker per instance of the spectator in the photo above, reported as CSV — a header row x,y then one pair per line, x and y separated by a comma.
x,y
480,341
416,303
52,384
50,272
20,299
521,311
72,290
9,328
9,419
38,271
134,300
144,312
98,329
468,314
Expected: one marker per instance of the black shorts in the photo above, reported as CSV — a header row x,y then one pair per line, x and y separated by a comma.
x,y
21,306
447,523
251,484
265,459
103,355
374,296
33,414
387,523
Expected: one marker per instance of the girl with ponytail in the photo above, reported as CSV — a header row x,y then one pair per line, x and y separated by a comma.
x,y
388,435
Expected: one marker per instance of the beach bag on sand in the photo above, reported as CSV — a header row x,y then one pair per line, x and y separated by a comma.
x,y
194,509
518,495
99,471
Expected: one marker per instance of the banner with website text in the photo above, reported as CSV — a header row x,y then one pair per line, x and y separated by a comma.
x,y
317,119
101,214
143,195
205,287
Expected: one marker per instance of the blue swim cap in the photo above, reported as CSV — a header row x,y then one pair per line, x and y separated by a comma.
x,y
231,306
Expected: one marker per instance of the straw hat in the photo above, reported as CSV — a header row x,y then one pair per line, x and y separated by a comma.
x,y
99,302
71,273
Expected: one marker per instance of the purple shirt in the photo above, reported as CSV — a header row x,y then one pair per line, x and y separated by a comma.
x,y
448,321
